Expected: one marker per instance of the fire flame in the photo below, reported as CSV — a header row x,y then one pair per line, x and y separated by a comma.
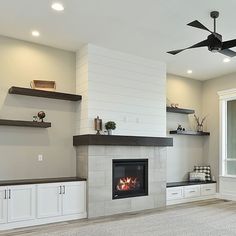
x,y
127,183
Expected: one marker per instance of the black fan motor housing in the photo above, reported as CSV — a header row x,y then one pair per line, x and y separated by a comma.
x,y
215,43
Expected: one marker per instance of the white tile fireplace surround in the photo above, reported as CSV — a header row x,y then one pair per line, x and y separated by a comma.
x,y
94,162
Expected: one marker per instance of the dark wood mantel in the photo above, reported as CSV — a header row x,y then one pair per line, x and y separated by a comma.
x,y
117,140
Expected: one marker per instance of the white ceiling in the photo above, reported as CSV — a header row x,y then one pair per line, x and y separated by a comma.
x,y
146,28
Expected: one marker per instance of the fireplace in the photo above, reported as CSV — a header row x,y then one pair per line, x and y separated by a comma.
x,y
130,178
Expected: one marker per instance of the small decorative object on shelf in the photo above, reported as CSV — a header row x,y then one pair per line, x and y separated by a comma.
x,y
35,118
43,85
174,105
41,115
98,125
199,123
110,125
180,128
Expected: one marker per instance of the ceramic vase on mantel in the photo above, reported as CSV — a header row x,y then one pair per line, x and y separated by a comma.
x,y
109,131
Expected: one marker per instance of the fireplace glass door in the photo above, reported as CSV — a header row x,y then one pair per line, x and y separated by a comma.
x,y
130,178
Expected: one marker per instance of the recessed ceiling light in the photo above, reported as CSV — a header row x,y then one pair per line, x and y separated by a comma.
x,y
189,71
35,33
57,6
226,59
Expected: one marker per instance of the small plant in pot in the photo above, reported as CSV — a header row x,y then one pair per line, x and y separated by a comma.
x,y
110,125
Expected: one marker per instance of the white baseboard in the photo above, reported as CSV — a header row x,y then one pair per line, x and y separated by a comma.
x,y
42,221
227,196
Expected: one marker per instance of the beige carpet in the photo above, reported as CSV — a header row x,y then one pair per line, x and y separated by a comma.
x,y
214,218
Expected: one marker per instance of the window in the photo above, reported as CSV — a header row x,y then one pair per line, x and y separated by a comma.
x,y
228,132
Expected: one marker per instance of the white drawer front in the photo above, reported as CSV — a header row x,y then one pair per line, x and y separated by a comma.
x,y
174,193
208,189
192,191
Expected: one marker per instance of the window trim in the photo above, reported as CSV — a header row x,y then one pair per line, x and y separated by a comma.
x,y
224,97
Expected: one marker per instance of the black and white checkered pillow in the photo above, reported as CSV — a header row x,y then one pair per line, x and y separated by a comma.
x,y
204,169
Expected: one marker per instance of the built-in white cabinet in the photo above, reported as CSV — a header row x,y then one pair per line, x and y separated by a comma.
x,y
175,193
17,203
3,205
35,204
73,198
49,200
192,191
181,194
59,199
208,189
21,203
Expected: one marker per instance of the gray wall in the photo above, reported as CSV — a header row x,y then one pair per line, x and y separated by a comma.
x,y
203,97
187,150
210,105
20,63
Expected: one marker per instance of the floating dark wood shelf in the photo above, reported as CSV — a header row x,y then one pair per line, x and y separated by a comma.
x,y
44,94
25,123
194,133
180,110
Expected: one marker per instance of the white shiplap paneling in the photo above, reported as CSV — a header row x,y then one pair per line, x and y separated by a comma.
x,y
127,89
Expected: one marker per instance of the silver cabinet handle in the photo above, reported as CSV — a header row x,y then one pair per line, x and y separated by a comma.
x,y
60,192
174,193
208,189
5,194
9,194
64,189
192,191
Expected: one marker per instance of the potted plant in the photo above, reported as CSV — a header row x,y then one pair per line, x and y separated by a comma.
x,y
110,125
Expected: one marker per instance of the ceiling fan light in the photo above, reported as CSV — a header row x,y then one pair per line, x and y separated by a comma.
x,y
35,33
226,60
57,6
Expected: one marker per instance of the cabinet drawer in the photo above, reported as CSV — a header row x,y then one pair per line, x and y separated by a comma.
x,y
208,189
192,191
174,193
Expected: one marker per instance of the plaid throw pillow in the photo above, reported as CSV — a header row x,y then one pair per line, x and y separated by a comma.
x,y
204,169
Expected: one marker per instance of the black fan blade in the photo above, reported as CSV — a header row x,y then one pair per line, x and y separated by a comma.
x,y
198,25
229,44
203,43
176,51
228,52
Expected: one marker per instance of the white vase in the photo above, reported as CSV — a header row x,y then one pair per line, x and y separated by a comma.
x,y
109,131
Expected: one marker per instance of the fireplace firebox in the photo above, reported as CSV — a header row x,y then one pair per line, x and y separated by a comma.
x,y
130,178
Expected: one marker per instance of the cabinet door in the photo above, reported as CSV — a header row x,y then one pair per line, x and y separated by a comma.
x,y
208,189
192,191
3,205
49,200
74,198
174,193
21,203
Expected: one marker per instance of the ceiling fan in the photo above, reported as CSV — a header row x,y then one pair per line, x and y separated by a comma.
x,y
214,40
